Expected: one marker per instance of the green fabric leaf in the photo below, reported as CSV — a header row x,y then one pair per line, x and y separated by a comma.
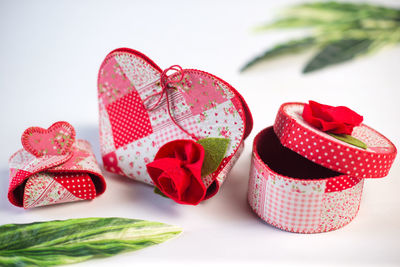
x,y
349,139
215,149
291,47
338,52
158,191
75,240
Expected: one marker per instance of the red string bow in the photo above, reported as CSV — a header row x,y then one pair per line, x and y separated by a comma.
x,y
167,82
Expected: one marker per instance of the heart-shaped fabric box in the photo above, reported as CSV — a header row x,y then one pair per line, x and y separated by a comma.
x,y
304,180
53,168
130,135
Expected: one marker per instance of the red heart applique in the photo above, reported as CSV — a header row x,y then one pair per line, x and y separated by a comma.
x,y
56,140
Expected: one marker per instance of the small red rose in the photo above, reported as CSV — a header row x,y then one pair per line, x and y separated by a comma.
x,y
338,120
176,171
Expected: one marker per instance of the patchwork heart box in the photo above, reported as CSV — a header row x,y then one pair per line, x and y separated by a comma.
x,y
142,108
53,168
306,181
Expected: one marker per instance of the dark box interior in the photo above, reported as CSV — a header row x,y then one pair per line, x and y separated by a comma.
x,y
287,162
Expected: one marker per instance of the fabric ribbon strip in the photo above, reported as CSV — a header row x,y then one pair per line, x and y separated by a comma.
x,y
166,82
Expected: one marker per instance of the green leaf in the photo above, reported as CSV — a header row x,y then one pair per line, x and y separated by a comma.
x,y
338,52
291,47
158,191
349,139
346,10
328,14
342,30
215,149
75,240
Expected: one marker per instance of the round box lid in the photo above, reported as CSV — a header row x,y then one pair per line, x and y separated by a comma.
x,y
323,149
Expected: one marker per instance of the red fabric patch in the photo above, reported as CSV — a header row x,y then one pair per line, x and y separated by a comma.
x,y
80,185
129,119
176,171
341,183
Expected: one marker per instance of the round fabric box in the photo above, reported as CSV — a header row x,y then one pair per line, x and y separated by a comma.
x,y
303,180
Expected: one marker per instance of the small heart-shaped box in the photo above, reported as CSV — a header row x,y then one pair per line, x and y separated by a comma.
x,y
53,168
200,104
303,180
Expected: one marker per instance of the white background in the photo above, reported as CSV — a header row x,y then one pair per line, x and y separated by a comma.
x,y
50,53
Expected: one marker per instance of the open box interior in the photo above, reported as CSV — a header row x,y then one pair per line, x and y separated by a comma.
x,y
286,162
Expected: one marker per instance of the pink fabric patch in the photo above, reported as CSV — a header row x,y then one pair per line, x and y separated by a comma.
x,y
201,92
129,119
78,156
113,83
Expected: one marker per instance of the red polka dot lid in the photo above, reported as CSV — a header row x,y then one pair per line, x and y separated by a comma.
x,y
323,149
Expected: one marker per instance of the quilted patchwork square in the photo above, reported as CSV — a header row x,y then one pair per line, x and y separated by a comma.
x,y
202,93
129,119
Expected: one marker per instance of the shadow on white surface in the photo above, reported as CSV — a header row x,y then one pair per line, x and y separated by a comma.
x,y
141,194
90,132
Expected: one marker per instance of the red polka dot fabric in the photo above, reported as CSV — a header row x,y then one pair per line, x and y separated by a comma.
x,y
341,183
80,185
129,119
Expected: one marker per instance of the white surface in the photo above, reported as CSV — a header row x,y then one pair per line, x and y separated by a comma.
x,y
50,54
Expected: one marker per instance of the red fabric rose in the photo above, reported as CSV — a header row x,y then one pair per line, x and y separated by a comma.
x,y
176,171
338,120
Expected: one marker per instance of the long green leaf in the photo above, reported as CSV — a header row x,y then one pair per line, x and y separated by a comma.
x,y
291,47
328,14
75,240
338,52
294,22
342,30
348,9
